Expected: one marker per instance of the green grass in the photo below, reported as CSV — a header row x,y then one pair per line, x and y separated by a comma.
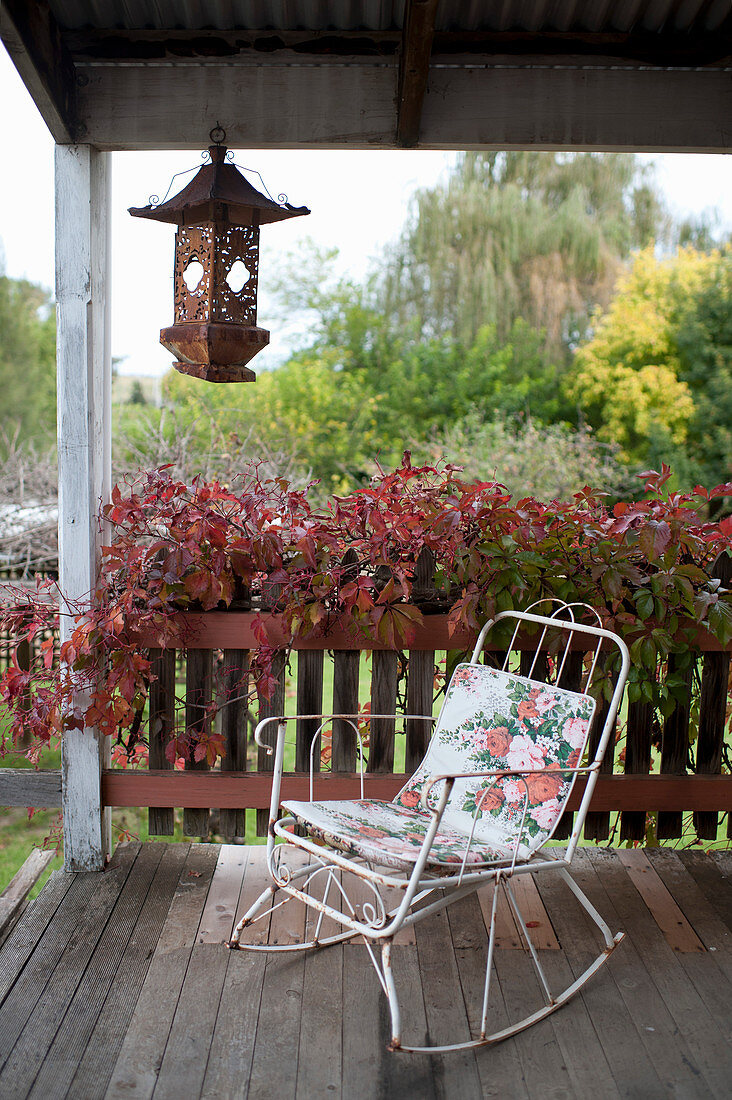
x,y
20,833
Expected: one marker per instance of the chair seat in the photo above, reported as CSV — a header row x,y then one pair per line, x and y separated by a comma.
x,y
392,835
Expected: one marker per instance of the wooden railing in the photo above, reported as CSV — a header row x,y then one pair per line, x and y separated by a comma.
x,y
682,783
209,655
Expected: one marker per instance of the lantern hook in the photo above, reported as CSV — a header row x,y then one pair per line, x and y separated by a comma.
x,y
215,132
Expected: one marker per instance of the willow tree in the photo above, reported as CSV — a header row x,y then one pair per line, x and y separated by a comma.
x,y
532,235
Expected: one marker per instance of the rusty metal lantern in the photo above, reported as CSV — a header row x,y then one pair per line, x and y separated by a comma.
x,y
218,215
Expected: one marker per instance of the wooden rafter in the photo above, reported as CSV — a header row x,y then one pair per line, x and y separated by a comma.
x,y
33,39
666,49
414,65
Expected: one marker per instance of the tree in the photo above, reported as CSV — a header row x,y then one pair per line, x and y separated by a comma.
x,y
137,394
532,235
27,362
320,420
655,376
704,347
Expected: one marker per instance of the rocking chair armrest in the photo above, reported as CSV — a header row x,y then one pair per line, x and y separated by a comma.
x,y
497,773
327,718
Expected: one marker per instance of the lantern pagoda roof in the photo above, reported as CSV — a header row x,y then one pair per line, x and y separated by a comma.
x,y
219,182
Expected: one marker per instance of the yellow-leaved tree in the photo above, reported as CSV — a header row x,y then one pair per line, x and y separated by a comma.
x,y
628,379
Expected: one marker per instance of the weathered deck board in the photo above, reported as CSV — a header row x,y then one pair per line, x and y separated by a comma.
x,y
19,945
136,1070
713,932
370,1072
447,1020
82,1011
500,1067
274,1063
668,1037
62,954
121,985
95,1069
624,1052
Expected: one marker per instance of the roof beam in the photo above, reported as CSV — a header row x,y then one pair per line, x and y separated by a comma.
x,y
352,106
33,39
414,67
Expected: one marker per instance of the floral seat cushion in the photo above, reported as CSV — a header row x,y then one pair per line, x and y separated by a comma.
x,y
493,720
390,835
490,721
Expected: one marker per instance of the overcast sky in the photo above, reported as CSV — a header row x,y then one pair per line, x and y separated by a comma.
x,y
359,201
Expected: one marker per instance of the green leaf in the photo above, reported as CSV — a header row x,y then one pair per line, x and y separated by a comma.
x,y
644,604
720,621
648,652
647,691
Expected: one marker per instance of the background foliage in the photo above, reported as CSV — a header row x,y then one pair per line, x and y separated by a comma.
x,y
541,321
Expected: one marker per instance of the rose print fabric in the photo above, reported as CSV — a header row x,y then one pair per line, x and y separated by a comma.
x,y
390,835
490,721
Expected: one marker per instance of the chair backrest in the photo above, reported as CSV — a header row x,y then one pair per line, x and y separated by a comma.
x,y
498,720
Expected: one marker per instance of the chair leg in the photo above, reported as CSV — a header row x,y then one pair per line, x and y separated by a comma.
x,y
267,894
391,995
489,963
610,940
552,1001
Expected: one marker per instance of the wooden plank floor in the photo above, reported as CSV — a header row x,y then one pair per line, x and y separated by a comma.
x,y
119,985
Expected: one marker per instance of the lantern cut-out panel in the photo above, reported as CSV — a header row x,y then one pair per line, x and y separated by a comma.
x,y
218,215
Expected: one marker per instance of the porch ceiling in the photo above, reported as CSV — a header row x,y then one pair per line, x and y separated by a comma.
x,y
651,74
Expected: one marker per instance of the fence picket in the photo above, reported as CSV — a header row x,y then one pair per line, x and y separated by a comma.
x,y
420,669
383,701
572,680
161,821
637,761
675,749
713,716
309,701
234,729
346,667
420,690
597,822
270,708
710,740
199,694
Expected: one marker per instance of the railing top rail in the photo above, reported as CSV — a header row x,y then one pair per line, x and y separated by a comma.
x,y
235,630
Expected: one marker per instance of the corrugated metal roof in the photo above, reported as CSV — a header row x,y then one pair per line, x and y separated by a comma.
x,y
289,15
592,16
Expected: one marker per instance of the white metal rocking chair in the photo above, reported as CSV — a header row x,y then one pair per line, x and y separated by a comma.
x,y
480,808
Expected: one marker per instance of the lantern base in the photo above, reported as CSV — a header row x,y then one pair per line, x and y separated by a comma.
x,y
215,372
216,351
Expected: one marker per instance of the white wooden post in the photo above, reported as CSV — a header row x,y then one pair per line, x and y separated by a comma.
x,y
84,376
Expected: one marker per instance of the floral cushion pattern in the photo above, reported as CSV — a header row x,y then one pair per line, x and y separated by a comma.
x,y
494,720
388,834
490,721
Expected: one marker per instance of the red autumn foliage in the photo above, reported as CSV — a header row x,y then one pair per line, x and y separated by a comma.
x,y
645,565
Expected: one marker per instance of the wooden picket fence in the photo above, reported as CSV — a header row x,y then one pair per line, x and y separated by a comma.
x,y
652,768
216,658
